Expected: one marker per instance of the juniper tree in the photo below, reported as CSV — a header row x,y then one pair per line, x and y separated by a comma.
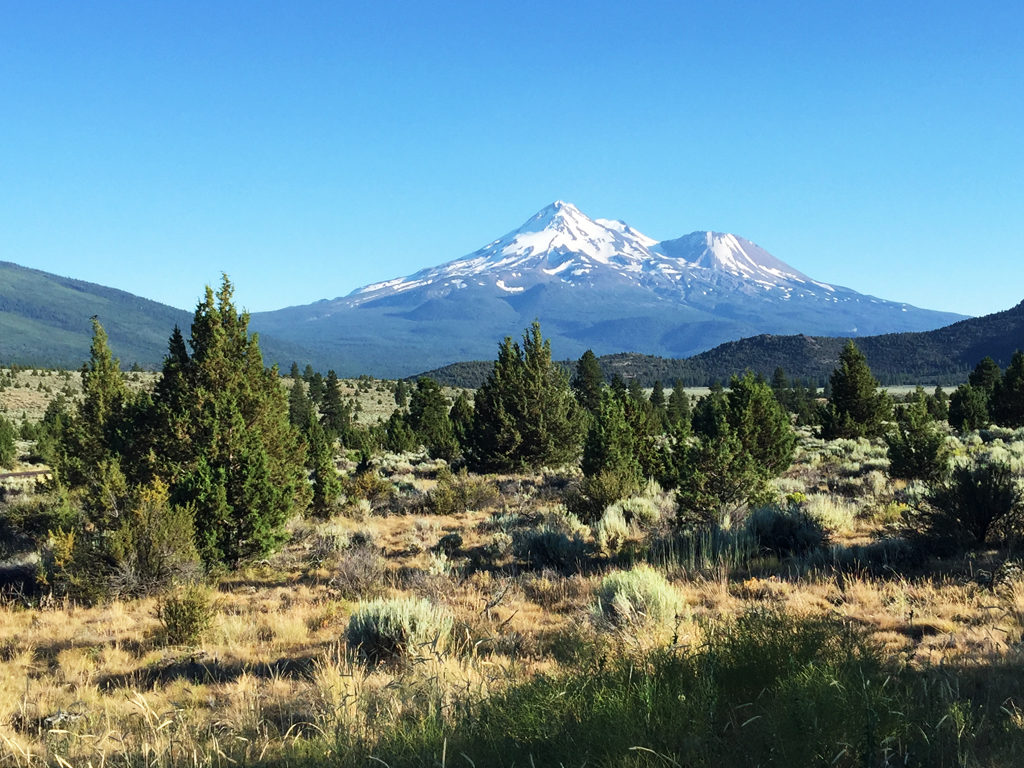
x,y
856,408
525,415
588,381
461,417
678,410
8,447
237,459
320,458
968,408
1007,404
335,413
428,419
917,448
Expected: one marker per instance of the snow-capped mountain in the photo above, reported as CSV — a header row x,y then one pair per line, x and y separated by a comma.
x,y
560,244
593,283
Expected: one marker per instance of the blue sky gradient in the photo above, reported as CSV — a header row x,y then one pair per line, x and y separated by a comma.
x,y
307,149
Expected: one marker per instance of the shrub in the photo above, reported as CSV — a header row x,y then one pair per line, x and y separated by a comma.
x,y
834,514
786,531
185,615
637,596
360,572
611,530
981,500
640,510
558,542
457,493
388,630
595,494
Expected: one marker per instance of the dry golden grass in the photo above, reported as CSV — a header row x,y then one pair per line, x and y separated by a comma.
x,y
94,684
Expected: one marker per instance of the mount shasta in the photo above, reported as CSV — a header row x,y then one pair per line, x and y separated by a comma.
x,y
593,283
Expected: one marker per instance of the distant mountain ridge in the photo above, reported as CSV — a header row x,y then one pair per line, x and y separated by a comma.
x,y
45,322
942,356
593,283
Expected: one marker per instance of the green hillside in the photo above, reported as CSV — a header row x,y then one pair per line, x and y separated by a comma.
x,y
942,356
44,322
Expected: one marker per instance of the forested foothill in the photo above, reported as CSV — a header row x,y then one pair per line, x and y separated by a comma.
x,y
223,563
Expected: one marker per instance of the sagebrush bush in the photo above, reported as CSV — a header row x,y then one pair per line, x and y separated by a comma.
x,y
981,501
595,494
786,531
384,631
549,545
185,615
458,493
640,510
835,514
637,596
359,572
611,531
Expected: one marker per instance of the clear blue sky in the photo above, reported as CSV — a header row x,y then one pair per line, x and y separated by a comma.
x,y
310,148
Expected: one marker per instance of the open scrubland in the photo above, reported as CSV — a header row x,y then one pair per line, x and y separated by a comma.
x,y
546,639
220,566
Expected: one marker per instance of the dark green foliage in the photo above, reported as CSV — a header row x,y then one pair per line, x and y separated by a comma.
x,y
760,423
232,453
401,394
678,408
856,408
611,468
8,448
588,382
461,417
741,440
938,404
428,419
525,415
185,616
299,406
1007,403
97,432
968,408
320,457
917,447
335,414
985,376
980,502
786,531
658,405
396,435
610,444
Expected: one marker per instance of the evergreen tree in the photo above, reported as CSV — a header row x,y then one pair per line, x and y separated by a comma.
x,y
985,376
525,415
760,423
779,380
335,413
968,408
8,447
299,406
856,407
428,419
657,401
396,434
938,404
320,455
610,444
401,394
316,389
236,460
678,406
461,417
588,382
917,449
1007,404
